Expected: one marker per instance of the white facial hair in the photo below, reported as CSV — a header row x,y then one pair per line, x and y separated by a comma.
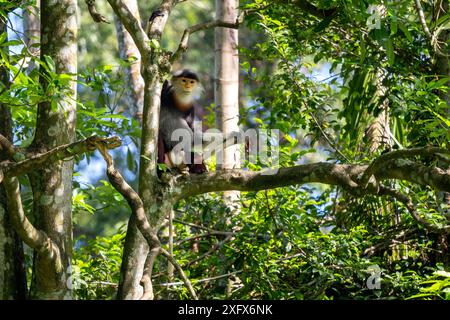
x,y
184,97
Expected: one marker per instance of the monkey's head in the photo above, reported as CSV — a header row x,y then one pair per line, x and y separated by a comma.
x,y
186,86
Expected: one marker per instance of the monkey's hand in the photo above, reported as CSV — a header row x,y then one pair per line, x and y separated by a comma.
x,y
175,159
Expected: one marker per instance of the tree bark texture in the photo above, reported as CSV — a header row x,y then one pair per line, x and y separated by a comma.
x,y
133,78
52,185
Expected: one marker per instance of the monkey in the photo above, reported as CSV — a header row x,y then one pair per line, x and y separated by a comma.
x,y
178,112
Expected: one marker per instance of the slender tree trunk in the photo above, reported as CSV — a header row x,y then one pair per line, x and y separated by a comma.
x,y
226,96
52,186
133,78
226,89
378,133
32,31
442,67
155,206
136,249
12,270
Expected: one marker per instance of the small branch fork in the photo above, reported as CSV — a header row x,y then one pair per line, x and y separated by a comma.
x,y
39,159
9,170
400,154
183,46
431,37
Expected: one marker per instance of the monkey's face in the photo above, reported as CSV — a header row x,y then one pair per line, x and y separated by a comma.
x,y
185,86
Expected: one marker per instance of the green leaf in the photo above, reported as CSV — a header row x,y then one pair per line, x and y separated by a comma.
x,y
130,162
50,63
390,52
405,31
394,25
155,44
9,43
3,37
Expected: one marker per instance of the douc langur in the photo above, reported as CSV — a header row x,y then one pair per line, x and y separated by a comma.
x,y
177,113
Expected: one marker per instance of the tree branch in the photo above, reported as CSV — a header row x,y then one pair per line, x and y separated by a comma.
x,y
397,154
59,153
137,208
158,19
183,46
96,16
344,175
33,237
412,210
132,25
7,147
177,266
431,37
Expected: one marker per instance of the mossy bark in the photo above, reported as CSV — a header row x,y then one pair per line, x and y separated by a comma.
x,y
52,186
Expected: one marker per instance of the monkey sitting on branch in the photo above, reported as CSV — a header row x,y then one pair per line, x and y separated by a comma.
x,y
176,120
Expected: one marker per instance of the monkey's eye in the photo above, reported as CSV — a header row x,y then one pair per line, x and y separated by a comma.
x,y
184,80
192,81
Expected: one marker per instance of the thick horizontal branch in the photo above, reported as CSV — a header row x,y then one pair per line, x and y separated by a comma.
x,y
379,162
132,25
408,170
344,175
59,153
328,173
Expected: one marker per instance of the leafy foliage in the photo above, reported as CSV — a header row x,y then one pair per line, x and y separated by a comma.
x,y
323,81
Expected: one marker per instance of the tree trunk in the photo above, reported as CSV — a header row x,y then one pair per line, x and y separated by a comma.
x,y
378,132
32,31
133,78
52,186
226,89
442,67
12,270
155,206
226,96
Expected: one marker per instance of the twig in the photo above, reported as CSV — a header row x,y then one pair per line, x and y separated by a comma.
x,y
167,284
207,234
210,251
212,231
430,36
412,210
183,46
180,272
